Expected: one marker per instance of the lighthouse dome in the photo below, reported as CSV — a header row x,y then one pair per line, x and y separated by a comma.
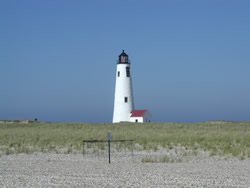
x,y
123,54
123,58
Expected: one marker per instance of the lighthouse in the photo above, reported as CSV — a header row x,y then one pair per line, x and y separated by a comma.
x,y
123,101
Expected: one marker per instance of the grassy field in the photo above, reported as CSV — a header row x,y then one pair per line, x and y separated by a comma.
x,y
219,137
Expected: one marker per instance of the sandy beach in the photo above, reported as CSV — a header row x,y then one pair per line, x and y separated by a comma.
x,y
76,170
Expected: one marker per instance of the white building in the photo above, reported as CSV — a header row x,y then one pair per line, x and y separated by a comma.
x,y
123,101
140,116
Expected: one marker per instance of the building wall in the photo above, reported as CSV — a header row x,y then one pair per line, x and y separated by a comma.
x,y
146,118
133,119
123,88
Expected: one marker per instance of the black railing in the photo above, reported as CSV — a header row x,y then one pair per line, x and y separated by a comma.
x,y
109,143
123,63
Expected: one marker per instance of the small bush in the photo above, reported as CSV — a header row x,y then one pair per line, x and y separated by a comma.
x,y
148,159
164,159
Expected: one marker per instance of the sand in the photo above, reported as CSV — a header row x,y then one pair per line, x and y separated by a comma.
x,y
76,170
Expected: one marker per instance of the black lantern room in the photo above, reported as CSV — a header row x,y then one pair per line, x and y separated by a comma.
x,y
123,58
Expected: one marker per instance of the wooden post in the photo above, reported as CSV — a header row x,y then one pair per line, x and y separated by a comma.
x,y
109,149
109,138
132,148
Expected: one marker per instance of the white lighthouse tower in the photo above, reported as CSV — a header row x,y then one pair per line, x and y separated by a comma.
x,y
123,102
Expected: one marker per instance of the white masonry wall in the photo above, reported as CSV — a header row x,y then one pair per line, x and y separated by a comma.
x,y
139,119
123,88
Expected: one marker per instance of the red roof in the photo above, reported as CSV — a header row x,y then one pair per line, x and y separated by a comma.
x,y
138,113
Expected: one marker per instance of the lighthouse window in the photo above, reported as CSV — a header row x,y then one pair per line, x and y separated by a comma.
x,y
128,71
125,99
118,74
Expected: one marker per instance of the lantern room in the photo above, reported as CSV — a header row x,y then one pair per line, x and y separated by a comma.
x,y
123,58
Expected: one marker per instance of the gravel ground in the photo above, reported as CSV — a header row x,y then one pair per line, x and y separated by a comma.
x,y
74,170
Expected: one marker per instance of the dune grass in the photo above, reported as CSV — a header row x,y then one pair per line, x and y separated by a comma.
x,y
219,137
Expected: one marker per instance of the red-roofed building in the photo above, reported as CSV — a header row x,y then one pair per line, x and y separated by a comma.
x,y
140,116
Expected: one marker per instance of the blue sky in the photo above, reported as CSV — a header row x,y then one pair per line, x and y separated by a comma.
x,y
190,60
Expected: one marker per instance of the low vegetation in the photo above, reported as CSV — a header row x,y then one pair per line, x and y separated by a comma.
x,y
218,138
